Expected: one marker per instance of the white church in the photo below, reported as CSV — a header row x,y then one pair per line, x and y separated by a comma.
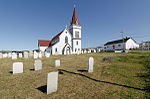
x,y
68,41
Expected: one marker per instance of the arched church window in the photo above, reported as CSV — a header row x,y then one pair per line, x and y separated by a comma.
x,y
75,50
66,39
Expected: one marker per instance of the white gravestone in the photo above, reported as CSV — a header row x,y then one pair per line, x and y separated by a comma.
x,y
17,67
40,55
30,53
14,56
37,65
91,64
35,55
26,55
52,82
9,55
47,55
1,55
20,55
57,63
5,55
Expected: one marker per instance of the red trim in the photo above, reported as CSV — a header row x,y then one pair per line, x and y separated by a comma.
x,y
43,42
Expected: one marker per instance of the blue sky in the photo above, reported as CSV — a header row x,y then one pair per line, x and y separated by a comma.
x,y
24,22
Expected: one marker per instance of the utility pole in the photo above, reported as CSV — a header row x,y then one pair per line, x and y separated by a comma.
x,y
122,31
148,45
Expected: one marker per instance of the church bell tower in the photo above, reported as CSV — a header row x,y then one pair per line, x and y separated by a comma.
x,y
75,30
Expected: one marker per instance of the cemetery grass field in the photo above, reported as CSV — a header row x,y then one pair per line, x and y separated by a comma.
x,y
126,77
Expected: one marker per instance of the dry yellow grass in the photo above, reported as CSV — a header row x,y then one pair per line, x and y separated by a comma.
x,y
109,80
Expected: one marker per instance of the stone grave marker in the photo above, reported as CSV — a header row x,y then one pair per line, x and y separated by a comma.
x,y
37,65
30,53
35,55
57,63
1,55
5,55
91,64
47,55
40,55
26,55
9,55
20,55
14,56
52,82
17,67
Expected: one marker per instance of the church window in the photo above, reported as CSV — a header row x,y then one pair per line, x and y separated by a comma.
x,y
56,50
75,50
76,34
77,42
66,39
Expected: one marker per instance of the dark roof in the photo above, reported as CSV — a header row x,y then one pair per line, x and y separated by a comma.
x,y
43,42
117,41
75,20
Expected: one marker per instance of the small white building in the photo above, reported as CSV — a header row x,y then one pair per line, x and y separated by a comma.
x,y
43,45
68,41
129,43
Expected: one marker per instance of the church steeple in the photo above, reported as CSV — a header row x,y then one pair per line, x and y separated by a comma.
x,y
75,20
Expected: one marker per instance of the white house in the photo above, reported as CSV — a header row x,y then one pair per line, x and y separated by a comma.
x,y
68,41
129,43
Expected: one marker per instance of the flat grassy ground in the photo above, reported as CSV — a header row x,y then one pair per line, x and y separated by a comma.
x,y
119,79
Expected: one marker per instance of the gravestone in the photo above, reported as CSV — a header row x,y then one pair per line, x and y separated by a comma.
x,y
5,55
14,56
35,55
9,55
40,55
37,65
1,55
20,55
91,64
52,82
17,67
57,63
26,55
30,53
108,59
47,55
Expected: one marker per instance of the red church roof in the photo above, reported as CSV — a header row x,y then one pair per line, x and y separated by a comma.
x,y
43,42
75,20
54,38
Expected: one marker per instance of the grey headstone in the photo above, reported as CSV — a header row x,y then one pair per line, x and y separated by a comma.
x,y
57,63
37,65
26,55
52,82
91,64
108,59
17,67
30,53
14,56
